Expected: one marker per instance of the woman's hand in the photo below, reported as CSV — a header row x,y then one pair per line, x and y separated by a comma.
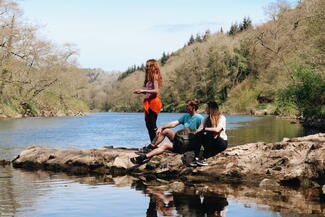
x,y
201,128
138,91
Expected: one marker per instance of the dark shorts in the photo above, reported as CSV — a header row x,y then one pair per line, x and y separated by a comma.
x,y
179,146
182,141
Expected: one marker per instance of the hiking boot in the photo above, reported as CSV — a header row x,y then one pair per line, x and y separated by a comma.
x,y
138,160
194,163
145,149
202,162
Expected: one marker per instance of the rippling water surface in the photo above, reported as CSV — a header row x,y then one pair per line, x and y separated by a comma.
x,y
25,193
123,129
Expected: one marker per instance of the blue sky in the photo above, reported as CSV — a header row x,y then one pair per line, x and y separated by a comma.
x,y
115,34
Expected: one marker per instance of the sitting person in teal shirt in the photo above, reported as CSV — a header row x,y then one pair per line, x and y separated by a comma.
x,y
192,120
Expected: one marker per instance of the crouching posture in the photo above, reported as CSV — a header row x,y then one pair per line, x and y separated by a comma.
x,y
179,140
211,135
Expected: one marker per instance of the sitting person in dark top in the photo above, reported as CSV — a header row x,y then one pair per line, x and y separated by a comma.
x,y
211,134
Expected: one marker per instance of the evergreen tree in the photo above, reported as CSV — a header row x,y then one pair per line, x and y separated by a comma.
x,y
198,38
191,41
143,67
164,58
246,24
207,34
233,29
130,70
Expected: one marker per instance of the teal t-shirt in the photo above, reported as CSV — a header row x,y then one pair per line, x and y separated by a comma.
x,y
190,121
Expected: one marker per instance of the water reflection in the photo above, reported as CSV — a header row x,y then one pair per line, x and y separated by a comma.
x,y
18,191
41,193
267,129
160,204
186,203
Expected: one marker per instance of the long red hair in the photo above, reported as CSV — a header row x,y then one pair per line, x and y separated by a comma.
x,y
152,73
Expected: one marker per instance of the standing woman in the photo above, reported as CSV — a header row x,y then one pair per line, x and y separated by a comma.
x,y
211,134
152,103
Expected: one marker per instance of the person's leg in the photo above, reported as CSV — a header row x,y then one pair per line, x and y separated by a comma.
x,y
158,139
166,132
151,120
196,142
152,209
213,147
157,151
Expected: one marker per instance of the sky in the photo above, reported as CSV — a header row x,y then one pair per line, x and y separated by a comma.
x,y
116,34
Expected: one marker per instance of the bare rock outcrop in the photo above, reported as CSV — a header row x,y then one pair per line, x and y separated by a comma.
x,y
298,162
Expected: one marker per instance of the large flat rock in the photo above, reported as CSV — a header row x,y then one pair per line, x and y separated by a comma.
x,y
296,161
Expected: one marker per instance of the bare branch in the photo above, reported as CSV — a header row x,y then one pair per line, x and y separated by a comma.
x,y
3,12
44,87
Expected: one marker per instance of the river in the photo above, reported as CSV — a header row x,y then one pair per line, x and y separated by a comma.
x,y
40,193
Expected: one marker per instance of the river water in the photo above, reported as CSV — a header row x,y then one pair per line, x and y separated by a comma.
x,y
40,193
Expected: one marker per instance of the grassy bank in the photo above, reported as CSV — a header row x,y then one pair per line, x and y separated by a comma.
x,y
47,104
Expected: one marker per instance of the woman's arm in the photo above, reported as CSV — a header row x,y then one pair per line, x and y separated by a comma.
x,y
155,90
220,127
213,129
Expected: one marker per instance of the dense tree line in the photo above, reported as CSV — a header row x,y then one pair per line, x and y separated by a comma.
x,y
199,37
130,70
237,28
163,60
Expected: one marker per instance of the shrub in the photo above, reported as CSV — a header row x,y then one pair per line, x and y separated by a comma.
x,y
305,94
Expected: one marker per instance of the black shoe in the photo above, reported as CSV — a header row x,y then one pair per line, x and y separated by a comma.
x,y
194,162
138,160
202,162
145,149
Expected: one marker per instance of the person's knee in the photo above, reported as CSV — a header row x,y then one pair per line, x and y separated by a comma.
x,y
169,133
165,132
167,146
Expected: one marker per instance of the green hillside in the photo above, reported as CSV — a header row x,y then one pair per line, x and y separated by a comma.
x,y
273,68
